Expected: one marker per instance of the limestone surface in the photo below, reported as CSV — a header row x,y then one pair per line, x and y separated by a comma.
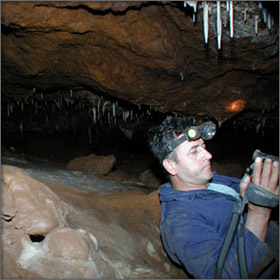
x,y
50,230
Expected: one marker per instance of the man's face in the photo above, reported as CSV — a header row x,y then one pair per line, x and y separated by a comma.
x,y
193,167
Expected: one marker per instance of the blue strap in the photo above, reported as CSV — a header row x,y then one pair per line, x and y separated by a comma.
x,y
224,189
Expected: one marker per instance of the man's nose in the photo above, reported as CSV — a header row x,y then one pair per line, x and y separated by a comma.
x,y
207,155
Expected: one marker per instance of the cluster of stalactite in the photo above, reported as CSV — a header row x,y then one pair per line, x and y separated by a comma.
x,y
255,122
224,11
69,111
81,112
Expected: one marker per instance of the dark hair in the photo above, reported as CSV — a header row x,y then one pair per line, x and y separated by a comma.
x,y
162,135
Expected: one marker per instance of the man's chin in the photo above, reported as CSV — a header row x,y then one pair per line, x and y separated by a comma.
x,y
209,173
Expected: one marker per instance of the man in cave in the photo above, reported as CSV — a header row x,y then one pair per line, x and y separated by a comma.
x,y
197,205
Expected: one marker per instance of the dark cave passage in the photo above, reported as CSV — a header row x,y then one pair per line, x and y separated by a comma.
x,y
62,128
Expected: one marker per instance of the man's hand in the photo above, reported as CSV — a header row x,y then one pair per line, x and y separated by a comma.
x,y
266,178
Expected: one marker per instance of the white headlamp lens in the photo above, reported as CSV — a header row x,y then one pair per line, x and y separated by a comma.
x,y
192,133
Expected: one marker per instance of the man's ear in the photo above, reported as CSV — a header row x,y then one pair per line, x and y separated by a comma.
x,y
170,166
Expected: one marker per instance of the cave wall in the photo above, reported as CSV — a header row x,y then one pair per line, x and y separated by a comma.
x,y
147,53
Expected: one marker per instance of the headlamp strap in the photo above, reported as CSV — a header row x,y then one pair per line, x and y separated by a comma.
x,y
172,146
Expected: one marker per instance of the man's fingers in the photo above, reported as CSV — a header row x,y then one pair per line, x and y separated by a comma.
x,y
266,172
256,176
266,175
244,184
274,179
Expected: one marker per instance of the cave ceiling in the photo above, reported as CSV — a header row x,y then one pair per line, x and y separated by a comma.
x,y
150,54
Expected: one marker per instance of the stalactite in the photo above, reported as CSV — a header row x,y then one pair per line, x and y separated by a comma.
x,y
114,109
231,18
256,24
210,11
125,115
104,106
181,76
98,109
94,115
268,21
245,16
56,103
264,13
219,24
205,22
21,127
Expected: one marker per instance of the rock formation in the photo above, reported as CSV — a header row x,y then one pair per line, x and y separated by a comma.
x,y
50,230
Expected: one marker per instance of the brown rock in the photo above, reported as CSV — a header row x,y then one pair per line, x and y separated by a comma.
x,y
149,179
102,165
30,205
111,236
66,243
117,175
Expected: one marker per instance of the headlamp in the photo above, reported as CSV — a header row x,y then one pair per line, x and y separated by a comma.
x,y
206,131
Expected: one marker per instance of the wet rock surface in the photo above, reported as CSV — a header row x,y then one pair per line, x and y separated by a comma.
x,y
90,234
